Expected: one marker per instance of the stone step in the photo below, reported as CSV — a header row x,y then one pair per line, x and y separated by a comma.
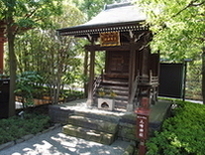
x,y
94,124
103,115
88,134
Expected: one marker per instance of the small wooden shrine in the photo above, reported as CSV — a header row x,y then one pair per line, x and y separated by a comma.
x,y
131,70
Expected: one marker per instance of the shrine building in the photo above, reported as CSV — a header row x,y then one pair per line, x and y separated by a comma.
x,y
131,70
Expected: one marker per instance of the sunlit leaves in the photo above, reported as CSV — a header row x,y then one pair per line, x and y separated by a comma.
x,y
71,17
92,7
182,134
41,50
178,26
29,13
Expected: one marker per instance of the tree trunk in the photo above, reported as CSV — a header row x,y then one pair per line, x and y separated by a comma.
x,y
203,75
12,66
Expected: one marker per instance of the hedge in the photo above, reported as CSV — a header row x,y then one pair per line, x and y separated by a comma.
x,y
182,134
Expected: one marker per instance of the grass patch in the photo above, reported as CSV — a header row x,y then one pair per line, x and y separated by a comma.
x,y
15,127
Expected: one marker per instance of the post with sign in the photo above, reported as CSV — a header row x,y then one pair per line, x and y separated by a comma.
x,y
143,124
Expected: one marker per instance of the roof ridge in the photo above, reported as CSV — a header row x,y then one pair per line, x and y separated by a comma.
x,y
117,5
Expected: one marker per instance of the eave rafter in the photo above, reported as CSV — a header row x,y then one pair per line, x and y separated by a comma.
x,y
96,30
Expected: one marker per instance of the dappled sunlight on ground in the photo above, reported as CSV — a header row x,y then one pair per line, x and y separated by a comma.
x,y
56,143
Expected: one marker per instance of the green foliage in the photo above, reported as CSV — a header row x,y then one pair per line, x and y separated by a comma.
x,y
27,14
55,58
92,7
19,16
72,94
178,26
15,127
194,81
182,134
25,86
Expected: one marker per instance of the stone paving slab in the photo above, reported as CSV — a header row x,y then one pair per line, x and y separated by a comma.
x,y
159,111
55,142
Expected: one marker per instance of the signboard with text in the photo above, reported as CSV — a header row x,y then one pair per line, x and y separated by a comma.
x,y
142,131
110,39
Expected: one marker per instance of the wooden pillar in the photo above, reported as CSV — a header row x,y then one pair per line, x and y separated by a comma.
x,y
132,66
145,55
91,78
85,66
145,62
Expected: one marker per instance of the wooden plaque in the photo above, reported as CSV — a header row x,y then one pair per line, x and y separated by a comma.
x,y
110,39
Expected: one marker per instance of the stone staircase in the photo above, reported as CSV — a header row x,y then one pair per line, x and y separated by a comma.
x,y
91,128
106,127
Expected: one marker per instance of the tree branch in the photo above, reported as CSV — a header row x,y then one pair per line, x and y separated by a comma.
x,y
198,4
192,3
30,14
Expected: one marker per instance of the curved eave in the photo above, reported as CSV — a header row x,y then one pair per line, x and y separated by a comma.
x,y
84,30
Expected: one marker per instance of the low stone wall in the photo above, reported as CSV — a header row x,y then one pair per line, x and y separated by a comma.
x,y
127,127
127,132
59,115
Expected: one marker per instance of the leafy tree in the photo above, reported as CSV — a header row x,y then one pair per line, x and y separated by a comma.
x,y
92,7
19,15
52,56
178,28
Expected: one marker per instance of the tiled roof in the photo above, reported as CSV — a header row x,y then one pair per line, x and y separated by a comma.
x,y
115,17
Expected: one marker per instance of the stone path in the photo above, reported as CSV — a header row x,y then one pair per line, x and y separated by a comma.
x,y
55,142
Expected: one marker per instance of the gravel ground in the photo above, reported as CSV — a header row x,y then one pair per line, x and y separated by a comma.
x,y
55,142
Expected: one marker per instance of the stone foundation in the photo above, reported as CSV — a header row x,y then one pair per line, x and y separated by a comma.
x,y
126,122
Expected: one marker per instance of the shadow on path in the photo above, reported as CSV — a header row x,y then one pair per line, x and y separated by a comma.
x,y
56,143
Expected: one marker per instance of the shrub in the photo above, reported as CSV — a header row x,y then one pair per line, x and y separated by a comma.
x,y
15,127
182,134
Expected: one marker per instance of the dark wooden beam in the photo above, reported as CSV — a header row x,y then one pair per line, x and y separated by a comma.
x,y
123,47
91,78
132,68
